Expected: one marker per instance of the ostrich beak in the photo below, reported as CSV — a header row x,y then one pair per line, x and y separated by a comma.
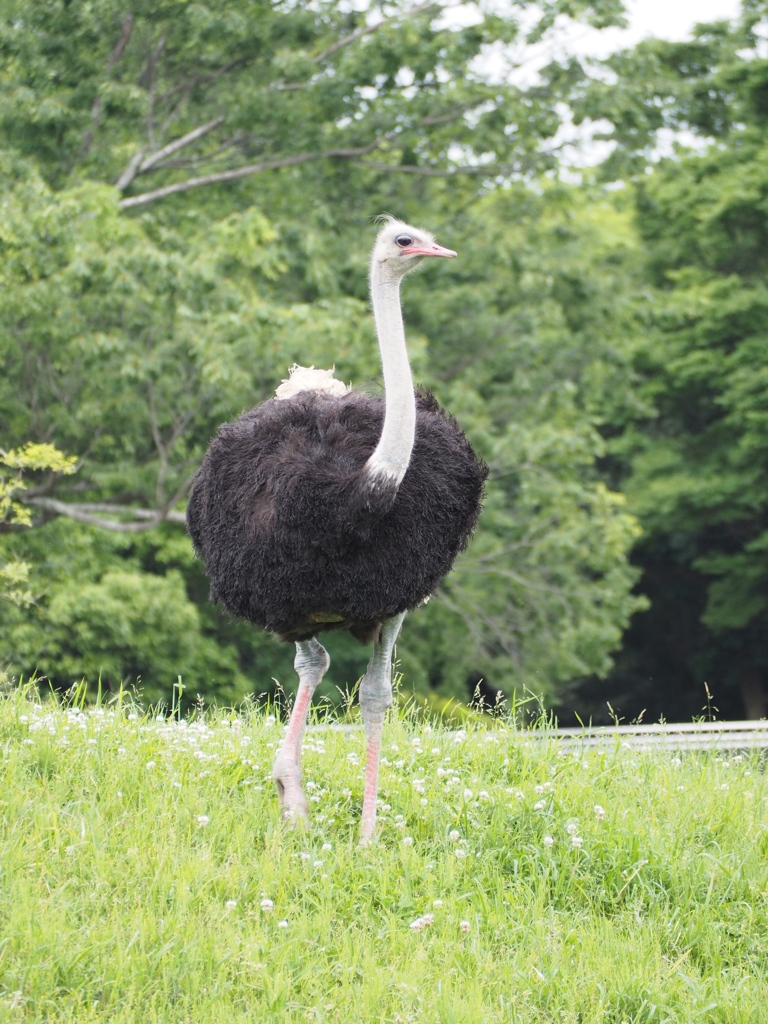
x,y
428,250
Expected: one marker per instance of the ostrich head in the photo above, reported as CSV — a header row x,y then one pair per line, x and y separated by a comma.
x,y
400,247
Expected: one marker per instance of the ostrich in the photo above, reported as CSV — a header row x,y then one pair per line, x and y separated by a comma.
x,y
325,508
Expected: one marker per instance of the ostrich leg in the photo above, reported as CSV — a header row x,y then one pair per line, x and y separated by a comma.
x,y
375,698
311,663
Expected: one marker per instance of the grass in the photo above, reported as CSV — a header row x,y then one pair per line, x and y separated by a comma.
x,y
146,877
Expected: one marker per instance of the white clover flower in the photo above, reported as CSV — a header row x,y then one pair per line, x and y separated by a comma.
x,y
538,789
599,812
437,903
230,904
576,841
465,926
407,840
539,805
424,801
267,904
549,841
305,856
327,846
282,924
483,795
453,835
416,925
571,828
460,852
317,863
468,794
203,819
150,765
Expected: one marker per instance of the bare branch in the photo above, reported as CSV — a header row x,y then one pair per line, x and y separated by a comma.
x,y
131,170
430,172
367,30
191,83
98,103
148,519
180,143
149,81
138,165
244,172
205,158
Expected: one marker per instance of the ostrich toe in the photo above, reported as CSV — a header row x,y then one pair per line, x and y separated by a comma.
x,y
290,793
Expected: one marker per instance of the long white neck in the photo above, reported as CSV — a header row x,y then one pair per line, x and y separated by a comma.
x,y
393,452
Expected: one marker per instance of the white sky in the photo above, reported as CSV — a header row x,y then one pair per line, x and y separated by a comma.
x,y
669,19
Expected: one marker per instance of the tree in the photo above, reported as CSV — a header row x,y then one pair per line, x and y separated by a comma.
x,y
187,197
694,463
14,575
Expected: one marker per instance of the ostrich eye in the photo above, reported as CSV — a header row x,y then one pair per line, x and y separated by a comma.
x,y
404,240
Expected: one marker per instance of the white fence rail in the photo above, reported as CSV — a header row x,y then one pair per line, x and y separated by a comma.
x,y
689,736
670,736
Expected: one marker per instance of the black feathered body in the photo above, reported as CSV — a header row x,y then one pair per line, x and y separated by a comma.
x,y
293,537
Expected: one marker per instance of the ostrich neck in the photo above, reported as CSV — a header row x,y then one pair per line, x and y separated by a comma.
x,y
393,452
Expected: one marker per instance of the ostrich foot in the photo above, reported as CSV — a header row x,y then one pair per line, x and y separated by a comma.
x,y
311,663
293,802
375,698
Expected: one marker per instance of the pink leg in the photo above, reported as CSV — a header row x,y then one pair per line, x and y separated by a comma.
x,y
375,698
311,663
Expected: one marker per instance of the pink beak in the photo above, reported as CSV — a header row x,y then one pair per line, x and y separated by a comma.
x,y
428,250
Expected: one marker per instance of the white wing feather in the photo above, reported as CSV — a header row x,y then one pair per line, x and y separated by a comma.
x,y
307,378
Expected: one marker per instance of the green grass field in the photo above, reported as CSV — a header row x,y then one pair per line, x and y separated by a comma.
x,y
146,877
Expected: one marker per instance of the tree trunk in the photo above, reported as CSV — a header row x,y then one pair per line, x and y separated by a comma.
x,y
753,693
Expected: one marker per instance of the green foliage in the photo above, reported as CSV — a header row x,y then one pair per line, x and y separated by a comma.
x,y
595,886
694,462
14,575
30,457
130,329
529,331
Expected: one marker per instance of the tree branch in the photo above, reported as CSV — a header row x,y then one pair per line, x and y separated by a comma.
x,y
244,172
148,519
137,165
131,170
430,172
367,30
98,103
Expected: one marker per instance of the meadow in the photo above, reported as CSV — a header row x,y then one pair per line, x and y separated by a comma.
x,y
146,876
